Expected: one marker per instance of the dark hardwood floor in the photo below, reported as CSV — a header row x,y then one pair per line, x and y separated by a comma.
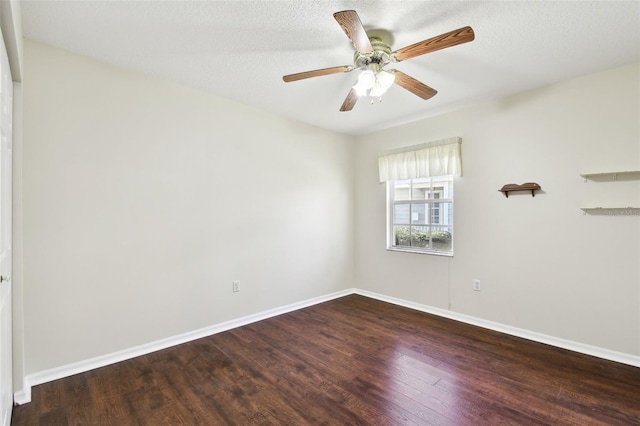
x,y
353,360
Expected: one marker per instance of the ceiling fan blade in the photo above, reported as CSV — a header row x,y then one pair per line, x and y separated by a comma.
x,y
350,100
452,38
352,26
316,73
414,86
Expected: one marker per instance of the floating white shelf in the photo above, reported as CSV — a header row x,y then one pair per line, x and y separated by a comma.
x,y
612,211
613,175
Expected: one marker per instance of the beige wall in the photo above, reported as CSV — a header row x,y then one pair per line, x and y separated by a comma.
x,y
144,200
543,266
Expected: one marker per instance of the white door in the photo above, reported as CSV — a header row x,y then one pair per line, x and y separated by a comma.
x,y
6,113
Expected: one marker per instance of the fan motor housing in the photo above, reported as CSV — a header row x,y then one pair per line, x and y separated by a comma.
x,y
376,60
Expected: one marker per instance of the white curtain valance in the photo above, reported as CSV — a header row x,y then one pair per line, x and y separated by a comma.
x,y
438,158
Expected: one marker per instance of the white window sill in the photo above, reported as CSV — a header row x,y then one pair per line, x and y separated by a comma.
x,y
408,250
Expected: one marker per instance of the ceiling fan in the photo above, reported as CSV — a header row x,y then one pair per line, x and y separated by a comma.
x,y
373,54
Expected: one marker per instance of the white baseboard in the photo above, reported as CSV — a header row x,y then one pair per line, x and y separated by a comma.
x,y
24,396
513,331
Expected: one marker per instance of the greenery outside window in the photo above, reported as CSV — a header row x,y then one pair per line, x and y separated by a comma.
x,y
420,215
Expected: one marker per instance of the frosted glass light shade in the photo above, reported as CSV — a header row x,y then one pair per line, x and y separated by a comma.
x,y
366,80
385,79
382,81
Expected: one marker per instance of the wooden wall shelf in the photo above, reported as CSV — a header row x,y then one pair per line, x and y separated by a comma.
x,y
511,187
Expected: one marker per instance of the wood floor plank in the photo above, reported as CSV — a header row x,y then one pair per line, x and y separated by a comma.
x,y
349,361
289,370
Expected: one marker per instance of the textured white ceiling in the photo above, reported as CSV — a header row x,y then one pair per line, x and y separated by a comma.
x,y
241,49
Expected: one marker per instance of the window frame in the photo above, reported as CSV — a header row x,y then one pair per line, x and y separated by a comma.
x,y
430,202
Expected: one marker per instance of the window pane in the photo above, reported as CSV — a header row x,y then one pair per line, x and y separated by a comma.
x,y
420,236
402,190
419,214
441,238
435,214
443,187
420,189
401,236
442,213
401,213
448,213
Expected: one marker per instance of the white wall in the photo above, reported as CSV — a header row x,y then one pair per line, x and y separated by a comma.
x,y
543,266
144,200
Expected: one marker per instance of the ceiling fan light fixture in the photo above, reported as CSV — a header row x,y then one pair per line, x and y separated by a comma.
x,y
366,81
377,91
382,81
373,53
386,78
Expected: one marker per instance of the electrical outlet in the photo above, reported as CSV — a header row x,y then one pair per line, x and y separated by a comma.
x,y
476,285
236,286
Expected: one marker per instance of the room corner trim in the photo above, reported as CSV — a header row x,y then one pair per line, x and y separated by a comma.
x,y
607,354
34,379
22,396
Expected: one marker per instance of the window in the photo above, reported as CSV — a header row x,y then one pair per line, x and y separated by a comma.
x,y
419,181
420,215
